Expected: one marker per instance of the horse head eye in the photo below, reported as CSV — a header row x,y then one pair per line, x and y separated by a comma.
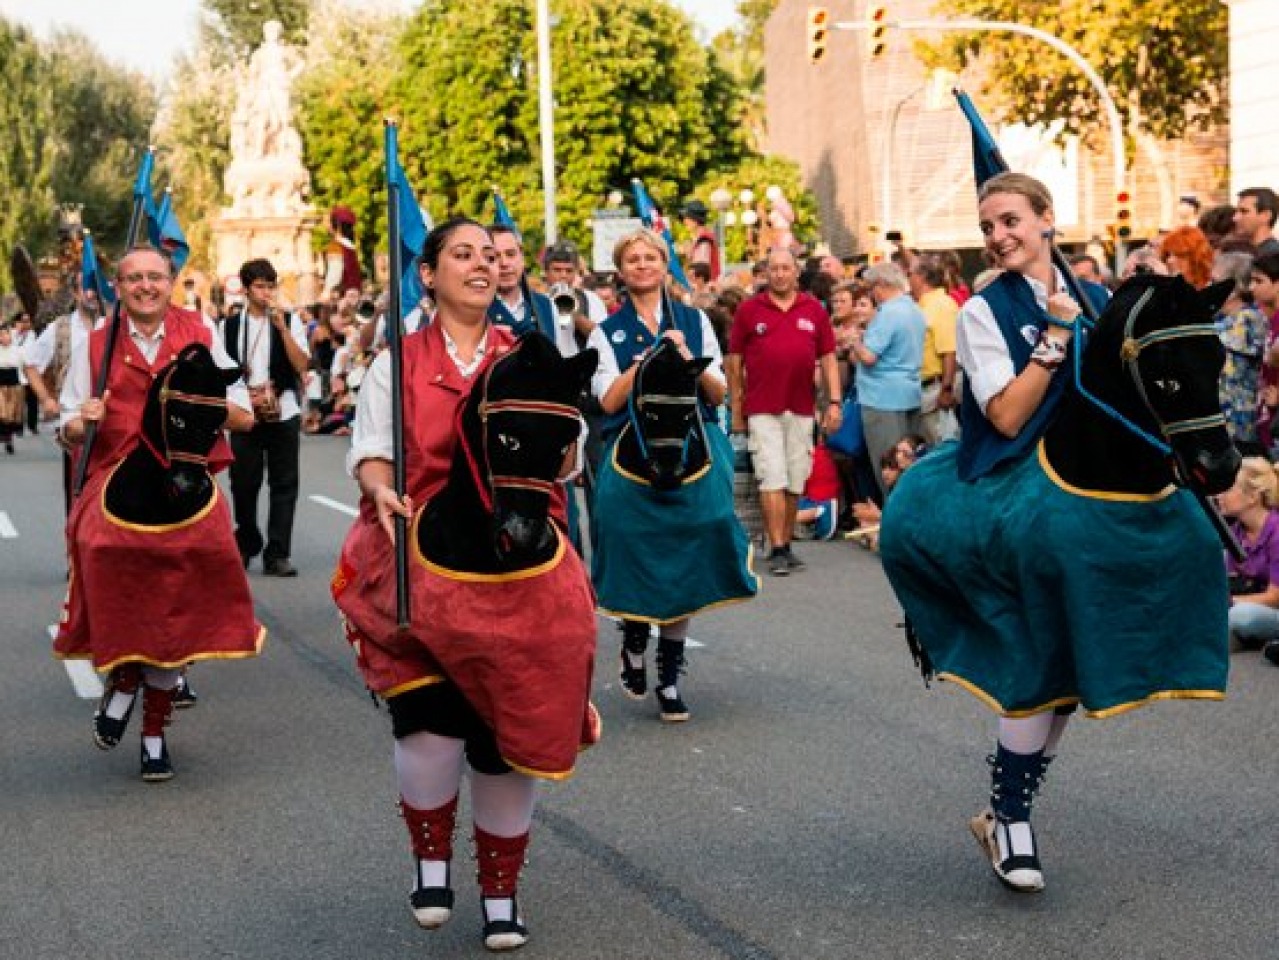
x,y
177,421
1169,387
509,442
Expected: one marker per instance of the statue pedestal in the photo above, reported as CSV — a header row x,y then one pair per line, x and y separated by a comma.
x,y
283,239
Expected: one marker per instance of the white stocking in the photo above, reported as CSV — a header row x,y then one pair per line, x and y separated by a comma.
x,y
428,768
503,805
1026,735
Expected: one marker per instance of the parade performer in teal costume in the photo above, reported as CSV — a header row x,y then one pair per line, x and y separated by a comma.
x,y
1048,560
666,545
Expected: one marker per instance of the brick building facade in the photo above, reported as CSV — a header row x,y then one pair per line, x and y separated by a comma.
x,y
882,152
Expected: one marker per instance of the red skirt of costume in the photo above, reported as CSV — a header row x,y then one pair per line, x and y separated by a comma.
x,y
520,646
162,595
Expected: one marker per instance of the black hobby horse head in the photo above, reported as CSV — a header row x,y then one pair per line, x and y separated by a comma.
x,y
1156,355
668,436
184,416
522,420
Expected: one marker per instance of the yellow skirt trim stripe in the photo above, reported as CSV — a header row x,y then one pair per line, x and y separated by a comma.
x,y
258,641
622,471
417,684
463,576
156,527
1114,711
1111,496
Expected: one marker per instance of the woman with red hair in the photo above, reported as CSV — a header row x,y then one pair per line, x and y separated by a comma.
x,y
1187,253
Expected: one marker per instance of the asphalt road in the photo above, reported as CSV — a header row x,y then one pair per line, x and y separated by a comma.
x,y
814,807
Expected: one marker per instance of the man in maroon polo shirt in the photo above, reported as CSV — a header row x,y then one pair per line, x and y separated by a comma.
x,y
779,338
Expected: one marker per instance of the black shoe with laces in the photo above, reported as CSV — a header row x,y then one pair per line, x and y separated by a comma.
x,y
108,731
792,561
184,696
279,567
670,664
634,678
157,769
1271,652
504,934
778,566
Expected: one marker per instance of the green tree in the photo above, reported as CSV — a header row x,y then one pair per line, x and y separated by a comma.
x,y
193,134
636,96
235,27
757,174
26,151
341,101
100,130
740,50
1164,61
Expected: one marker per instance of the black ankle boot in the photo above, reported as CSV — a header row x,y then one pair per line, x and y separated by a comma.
x,y
1004,830
634,643
670,664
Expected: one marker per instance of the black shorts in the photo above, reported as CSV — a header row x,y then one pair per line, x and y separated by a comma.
x,y
440,708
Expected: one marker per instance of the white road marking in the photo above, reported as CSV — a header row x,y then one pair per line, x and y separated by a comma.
x,y
7,530
334,505
85,680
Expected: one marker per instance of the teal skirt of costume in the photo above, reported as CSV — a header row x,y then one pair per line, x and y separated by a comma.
x,y
660,556
1032,594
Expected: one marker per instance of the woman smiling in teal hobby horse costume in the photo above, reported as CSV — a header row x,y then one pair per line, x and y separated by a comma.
x,y
1049,559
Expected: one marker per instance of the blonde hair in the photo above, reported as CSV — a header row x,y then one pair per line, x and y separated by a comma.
x,y
1033,190
642,235
1258,477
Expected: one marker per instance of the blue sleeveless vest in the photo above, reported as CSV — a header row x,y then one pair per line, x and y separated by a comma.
x,y
628,336
542,316
982,448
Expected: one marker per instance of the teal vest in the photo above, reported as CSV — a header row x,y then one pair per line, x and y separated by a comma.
x,y
982,448
629,337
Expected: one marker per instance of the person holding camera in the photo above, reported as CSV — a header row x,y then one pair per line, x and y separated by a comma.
x,y
271,349
1253,504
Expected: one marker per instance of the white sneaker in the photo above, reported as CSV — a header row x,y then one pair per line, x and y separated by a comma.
x,y
1012,851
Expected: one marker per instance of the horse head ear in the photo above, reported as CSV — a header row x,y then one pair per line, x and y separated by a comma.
x,y
534,347
228,375
699,364
1215,295
580,368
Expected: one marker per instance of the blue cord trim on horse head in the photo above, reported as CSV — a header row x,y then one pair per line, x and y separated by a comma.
x,y
1131,350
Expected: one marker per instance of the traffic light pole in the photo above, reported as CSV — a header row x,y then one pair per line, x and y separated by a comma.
x,y
1114,119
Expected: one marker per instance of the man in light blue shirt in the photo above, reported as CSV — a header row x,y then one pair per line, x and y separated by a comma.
x,y
888,357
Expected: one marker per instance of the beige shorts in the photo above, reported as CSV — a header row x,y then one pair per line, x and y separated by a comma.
x,y
781,448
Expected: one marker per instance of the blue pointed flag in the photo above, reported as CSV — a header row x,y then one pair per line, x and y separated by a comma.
x,y
502,213
653,219
91,277
987,160
164,231
413,230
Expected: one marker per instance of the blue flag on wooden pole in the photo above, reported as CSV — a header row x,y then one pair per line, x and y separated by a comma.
x,y
91,277
164,231
413,228
653,219
987,160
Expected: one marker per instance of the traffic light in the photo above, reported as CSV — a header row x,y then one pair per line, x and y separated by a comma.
x,y
877,35
818,30
1123,215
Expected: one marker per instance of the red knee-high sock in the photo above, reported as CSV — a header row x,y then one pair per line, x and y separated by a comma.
x,y
499,860
157,708
431,831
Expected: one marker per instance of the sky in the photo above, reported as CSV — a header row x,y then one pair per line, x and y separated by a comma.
x,y
146,34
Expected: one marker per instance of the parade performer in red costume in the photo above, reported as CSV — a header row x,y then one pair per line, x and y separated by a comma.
x,y
341,257
154,585
494,670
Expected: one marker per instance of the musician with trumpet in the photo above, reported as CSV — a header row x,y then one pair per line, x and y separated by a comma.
x,y
270,346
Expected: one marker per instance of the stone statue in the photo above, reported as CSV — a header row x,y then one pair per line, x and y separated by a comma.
x,y
268,215
266,176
